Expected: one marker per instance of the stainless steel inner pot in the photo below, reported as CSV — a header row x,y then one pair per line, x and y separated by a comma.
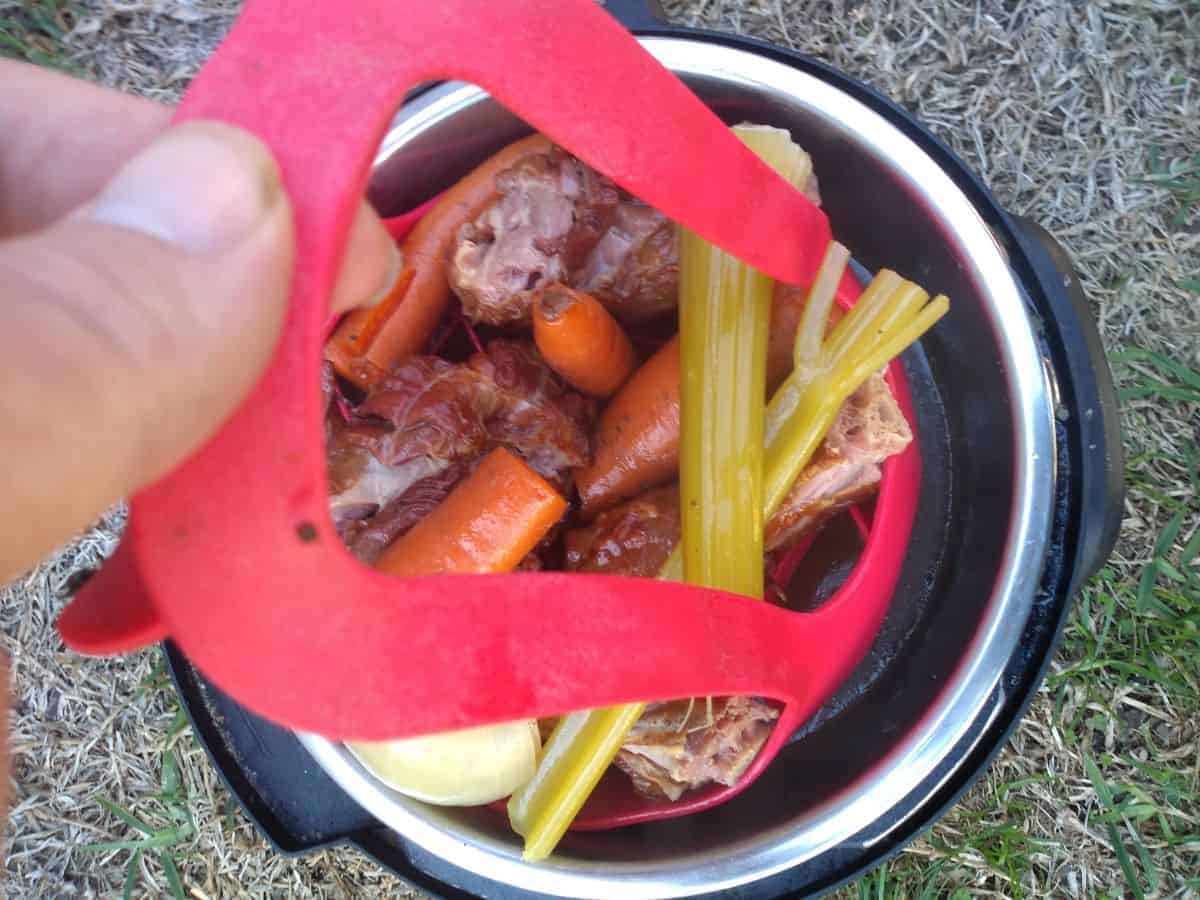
x,y
894,206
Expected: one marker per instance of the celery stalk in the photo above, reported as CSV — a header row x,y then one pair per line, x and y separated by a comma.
x,y
807,354
579,750
724,311
854,326
811,331
890,315
724,314
798,439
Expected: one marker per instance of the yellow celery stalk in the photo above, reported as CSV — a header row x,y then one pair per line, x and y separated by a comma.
x,y
579,751
724,314
890,315
887,319
724,311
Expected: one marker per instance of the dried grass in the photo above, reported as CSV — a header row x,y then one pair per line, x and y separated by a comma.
x,y
1057,106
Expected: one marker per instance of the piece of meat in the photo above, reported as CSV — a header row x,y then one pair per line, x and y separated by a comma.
x,y
423,426
350,519
634,268
846,467
427,407
636,537
359,482
329,387
557,219
347,453
529,409
433,408
684,744
377,486
633,539
370,536
550,212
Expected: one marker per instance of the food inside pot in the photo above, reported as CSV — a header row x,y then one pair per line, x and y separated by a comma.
x,y
522,403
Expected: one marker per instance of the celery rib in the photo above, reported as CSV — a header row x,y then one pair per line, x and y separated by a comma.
x,y
724,311
542,811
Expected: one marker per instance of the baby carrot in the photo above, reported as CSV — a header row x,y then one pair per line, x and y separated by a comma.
x,y
637,443
581,341
488,523
368,342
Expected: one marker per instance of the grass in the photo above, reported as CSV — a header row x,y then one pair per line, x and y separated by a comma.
x,y
34,32
172,827
1181,178
884,884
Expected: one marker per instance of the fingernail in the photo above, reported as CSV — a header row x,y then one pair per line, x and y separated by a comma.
x,y
395,264
202,186
371,264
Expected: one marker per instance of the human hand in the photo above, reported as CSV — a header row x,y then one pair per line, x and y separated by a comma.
x,y
143,277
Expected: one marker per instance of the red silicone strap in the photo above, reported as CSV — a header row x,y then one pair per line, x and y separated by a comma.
x,y
234,556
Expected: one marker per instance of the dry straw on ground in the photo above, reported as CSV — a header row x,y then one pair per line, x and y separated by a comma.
x,y
1062,108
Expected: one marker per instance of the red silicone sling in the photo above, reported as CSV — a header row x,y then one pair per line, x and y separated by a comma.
x,y
234,556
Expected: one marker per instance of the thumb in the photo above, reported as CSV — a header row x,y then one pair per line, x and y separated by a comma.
x,y
130,330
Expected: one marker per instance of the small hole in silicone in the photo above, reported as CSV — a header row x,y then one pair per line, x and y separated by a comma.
x,y
307,532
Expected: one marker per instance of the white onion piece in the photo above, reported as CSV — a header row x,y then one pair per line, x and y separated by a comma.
x,y
456,768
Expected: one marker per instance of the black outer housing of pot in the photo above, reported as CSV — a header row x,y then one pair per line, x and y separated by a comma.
x,y
299,808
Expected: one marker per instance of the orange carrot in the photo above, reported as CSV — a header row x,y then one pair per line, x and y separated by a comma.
x,y
637,443
581,341
488,523
368,342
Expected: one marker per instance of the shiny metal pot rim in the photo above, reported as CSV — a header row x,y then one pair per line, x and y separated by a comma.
x,y
919,752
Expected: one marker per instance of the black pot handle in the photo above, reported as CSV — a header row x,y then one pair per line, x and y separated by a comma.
x,y
1093,398
636,14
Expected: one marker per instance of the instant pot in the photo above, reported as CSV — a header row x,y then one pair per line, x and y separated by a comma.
x,y
1020,502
